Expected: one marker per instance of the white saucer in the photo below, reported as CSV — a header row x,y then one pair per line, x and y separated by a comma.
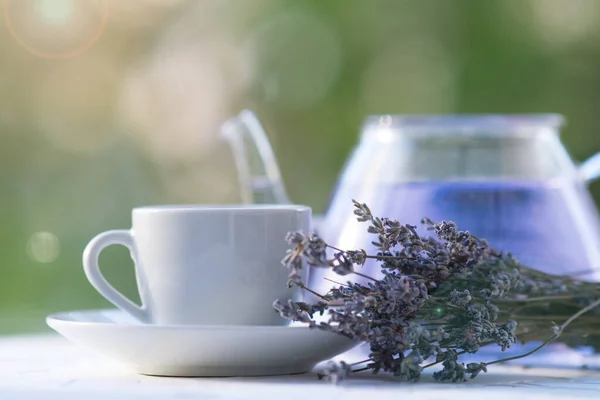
x,y
200,350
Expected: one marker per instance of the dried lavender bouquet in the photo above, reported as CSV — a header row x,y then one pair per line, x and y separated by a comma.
x,y
437,299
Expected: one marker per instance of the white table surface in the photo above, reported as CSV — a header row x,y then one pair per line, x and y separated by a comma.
x,y
48,367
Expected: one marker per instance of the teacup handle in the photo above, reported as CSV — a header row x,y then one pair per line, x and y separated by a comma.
x,y
589,170
92,271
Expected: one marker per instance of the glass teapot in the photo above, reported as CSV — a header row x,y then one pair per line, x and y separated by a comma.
x,y
504,178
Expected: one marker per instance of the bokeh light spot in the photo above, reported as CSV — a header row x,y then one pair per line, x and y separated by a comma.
x,y
174,103
55,11
55,28
43,247
561,23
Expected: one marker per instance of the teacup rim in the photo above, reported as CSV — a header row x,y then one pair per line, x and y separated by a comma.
x,y
220,207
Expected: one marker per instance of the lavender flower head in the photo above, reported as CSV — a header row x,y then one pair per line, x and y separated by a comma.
x,y
434,299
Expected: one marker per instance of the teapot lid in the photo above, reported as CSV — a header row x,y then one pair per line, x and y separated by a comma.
x,y
449,147
506,124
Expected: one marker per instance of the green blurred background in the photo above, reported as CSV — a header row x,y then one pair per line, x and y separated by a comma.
x,y
110,104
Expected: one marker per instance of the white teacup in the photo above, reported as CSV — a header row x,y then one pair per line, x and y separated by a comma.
x,y
217,265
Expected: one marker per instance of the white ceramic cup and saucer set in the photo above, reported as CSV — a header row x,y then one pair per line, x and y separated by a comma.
x,y
207,278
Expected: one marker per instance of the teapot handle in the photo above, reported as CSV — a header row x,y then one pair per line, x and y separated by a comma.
x,y
257,168
589,170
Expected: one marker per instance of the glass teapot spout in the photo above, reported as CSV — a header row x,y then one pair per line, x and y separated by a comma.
x,y
258,172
